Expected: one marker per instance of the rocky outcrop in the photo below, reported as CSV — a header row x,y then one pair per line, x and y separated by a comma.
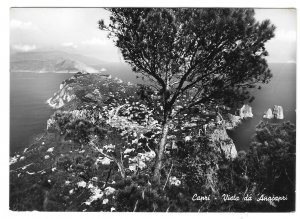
x,y
268,114
276,113
232,121
246,111
64,95
66,92
221,140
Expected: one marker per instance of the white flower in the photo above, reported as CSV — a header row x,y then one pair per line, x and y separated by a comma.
x,y
97,194
128,150
141,165
22,158
53,169
105,201
13,159
105,161
110,146
67,182
109,190
50,149
43,143
71,191
81,184
132,167
135,141
174,181
112,209
95,178
47,157
177,183
150,154
188,138
142,136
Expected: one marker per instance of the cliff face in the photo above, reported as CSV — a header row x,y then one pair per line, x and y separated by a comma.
x,y
73,89
220,139
232,121
246,111
63,96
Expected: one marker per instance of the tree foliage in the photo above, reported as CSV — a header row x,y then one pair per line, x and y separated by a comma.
x,y
193,54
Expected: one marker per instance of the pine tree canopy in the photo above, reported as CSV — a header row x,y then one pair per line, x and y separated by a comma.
x,y
212,52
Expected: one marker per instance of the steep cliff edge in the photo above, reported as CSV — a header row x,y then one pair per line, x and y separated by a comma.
x,y
220,139
66,92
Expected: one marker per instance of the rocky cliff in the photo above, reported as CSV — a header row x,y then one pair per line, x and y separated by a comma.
x,y
278,112
74,89
220,139
246,111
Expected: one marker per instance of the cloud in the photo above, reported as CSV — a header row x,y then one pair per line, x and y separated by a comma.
x,y
69,44
17,24
94,41
24,48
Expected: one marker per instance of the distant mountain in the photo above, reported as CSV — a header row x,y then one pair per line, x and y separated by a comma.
x,y
54,62
64,62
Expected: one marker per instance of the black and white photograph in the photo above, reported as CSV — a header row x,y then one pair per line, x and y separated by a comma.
x,y
152,109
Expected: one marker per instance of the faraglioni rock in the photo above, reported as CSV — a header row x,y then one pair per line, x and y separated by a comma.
x,y
268,114
246,111
276,113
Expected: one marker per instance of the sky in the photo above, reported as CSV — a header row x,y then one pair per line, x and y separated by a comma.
x,y
75,30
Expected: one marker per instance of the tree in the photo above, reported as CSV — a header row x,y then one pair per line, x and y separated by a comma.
x,y
192,56
271,161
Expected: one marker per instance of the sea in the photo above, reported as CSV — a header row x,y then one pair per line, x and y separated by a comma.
x,y
29,111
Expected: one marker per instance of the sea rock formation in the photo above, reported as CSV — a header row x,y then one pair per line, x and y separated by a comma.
x,y
268,114
276,113
246,111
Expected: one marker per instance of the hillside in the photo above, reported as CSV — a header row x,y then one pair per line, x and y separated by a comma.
x,y
54,62
66,169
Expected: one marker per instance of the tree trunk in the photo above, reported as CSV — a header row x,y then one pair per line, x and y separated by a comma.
x,y
121,168
160,154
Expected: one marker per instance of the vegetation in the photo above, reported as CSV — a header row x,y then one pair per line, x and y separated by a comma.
x,y
162,146
192,55
93,158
